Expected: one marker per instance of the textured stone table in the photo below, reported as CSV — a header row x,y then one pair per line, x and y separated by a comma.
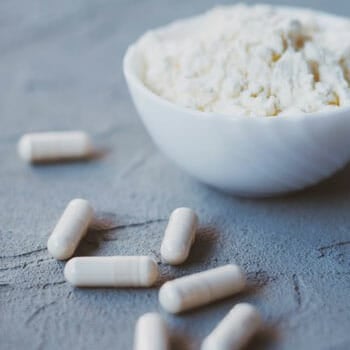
x,y
60,68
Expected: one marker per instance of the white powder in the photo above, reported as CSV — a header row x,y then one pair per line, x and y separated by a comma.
x,y
251,60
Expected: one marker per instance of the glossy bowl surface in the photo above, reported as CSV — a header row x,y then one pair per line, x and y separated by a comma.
x,y
246,156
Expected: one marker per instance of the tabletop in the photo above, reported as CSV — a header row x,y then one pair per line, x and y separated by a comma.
x,y
60,69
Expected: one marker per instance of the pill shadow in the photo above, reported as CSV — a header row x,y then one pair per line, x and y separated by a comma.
x,y
95,155
206,238
112,292
98,153
179,341
264,339
203,246
103,223
167,273
89,244
335,187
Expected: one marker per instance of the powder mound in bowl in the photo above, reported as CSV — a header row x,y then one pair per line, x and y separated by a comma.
x,y
251,60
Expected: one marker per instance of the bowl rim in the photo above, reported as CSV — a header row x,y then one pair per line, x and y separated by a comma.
x,y
133,78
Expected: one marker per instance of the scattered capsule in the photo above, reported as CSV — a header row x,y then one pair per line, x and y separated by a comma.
x,y
111,271
201,288
179,236
235,330
54,146
151,333
70,229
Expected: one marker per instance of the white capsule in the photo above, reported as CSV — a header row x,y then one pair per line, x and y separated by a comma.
x,y
201,288
54,146
179,236
111,271
70,229
151,333
235,330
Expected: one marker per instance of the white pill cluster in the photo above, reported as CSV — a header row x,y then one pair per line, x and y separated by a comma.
x,y
175,296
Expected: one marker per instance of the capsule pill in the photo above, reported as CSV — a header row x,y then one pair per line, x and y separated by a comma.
x,y
235,330
70,229
151,333
54,146
111,271
201,288
179,236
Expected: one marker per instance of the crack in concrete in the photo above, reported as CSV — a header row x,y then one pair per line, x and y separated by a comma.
x,y
106,221
25,264
23,254
37,286
323,250
260,278
124,226
296,287
38,310
53,284
136,224
111,237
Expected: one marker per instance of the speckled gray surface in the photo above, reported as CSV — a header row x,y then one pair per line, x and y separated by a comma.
x,y
60,68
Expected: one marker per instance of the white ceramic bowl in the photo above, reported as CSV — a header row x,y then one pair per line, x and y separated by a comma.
x,y
247,156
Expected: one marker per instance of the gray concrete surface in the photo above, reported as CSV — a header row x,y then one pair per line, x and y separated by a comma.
x,y
60,68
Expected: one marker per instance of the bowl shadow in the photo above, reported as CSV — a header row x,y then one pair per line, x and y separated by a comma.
x,y
336,187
